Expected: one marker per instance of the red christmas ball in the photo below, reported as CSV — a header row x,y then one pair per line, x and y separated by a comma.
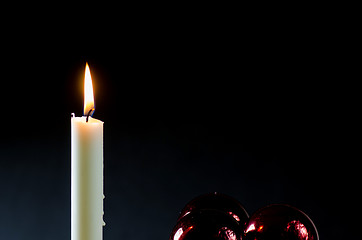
x,y
220,202
280,222
207,224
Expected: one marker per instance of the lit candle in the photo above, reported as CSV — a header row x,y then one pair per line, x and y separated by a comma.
x,y
87,170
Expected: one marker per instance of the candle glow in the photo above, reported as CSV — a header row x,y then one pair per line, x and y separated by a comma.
x,y
88,92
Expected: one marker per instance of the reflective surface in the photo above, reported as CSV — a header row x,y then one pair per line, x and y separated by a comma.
x,y
217,201
280,222
207,224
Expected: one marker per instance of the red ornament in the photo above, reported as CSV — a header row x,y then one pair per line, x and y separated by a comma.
x,y
280,222
217,201
211,216
207,224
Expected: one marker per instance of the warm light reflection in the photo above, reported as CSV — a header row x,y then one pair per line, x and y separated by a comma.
x,y
299,228
226,233
250,228
235,216
180,231
186,213
88,93
178,234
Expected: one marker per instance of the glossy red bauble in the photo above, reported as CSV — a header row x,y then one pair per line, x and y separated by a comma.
x,y
220,202
211,216
280,222
207,224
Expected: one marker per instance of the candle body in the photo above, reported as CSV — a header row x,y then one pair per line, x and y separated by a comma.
x,y
86,179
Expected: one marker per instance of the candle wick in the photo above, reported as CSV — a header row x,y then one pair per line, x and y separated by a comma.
x,y
89,113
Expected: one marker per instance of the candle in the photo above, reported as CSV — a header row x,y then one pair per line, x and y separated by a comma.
x,y
87,170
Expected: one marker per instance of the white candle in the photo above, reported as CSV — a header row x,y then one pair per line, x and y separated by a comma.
x,y
87,170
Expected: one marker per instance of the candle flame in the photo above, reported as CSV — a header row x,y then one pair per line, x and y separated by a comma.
x,y
88,93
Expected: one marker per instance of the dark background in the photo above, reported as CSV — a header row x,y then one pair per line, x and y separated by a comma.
x,y
249,102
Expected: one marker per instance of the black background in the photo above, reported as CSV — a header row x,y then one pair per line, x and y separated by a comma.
x,y
246,101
